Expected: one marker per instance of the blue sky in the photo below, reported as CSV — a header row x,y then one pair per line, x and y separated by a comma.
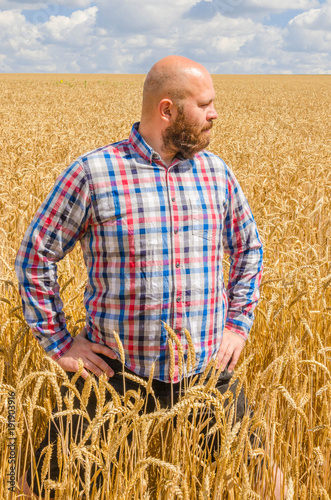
x,y
127,36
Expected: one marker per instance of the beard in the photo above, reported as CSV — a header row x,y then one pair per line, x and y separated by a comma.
x,y
184,137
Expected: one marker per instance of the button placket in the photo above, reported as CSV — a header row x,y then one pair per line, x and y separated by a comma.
x,y
176,235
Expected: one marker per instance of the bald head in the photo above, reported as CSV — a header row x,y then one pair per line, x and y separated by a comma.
x,y
172,77
178,108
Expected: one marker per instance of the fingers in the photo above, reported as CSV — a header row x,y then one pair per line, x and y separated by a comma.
x,y
103,349
234,361
97,348
98,366
98,369
231,354
88,352
93,364
84,373
231,346
224,357
70,364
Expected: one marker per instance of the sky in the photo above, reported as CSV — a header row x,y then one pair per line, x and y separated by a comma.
x,y
128,36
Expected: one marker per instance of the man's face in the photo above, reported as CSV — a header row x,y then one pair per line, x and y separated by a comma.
x,y
190,131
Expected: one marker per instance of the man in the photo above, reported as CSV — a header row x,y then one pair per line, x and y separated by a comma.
x,y
153,214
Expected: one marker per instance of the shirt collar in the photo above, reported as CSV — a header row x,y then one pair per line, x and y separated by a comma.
x,y
141,146
143,149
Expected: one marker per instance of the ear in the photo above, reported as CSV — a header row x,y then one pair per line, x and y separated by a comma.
x,y
167,110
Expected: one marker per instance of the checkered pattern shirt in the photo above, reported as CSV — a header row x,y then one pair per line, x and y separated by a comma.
x,y
153,239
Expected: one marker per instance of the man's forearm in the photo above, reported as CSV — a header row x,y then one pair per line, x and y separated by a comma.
x,y
42,306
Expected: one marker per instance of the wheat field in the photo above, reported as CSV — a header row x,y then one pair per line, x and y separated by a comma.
x,y
274,132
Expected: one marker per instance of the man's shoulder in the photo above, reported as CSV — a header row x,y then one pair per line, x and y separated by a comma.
x,y
105,160
113,149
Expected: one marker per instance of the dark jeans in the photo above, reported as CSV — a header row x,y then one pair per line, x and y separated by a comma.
x,y
162,392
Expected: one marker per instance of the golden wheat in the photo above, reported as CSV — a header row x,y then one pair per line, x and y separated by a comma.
x,y
273,131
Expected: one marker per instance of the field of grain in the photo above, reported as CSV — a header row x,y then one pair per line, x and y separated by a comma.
x,y
274,131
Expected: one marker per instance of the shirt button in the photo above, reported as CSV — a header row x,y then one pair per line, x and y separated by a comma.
x,y
176,231
178,299
173,199
177,264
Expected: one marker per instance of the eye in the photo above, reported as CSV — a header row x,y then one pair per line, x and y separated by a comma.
x,y
205,104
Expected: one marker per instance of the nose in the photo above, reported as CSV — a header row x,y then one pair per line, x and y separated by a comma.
x,y
212,113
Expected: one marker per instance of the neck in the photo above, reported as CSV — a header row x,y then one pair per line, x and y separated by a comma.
x,y
154,140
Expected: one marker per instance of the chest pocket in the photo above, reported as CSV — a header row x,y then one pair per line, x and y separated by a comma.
x,y
207,220
115,210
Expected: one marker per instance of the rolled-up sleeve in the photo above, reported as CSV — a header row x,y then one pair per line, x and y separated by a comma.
x,y
59,223
242,242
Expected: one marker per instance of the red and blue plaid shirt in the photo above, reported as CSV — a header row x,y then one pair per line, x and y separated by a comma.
x,y
153,239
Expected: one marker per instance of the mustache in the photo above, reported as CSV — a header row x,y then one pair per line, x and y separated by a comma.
x,y
208,127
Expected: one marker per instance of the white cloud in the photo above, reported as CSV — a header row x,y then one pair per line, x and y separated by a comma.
x,y
136,41
314,19
282,4
50,46
12,4
142,17
310,31
44,4
71,4
15,32
254,9
128,36
73,29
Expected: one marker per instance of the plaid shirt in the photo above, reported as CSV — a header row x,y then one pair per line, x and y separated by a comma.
x,y
153,240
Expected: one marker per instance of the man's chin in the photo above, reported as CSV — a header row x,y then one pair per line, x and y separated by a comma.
x,y
206,141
